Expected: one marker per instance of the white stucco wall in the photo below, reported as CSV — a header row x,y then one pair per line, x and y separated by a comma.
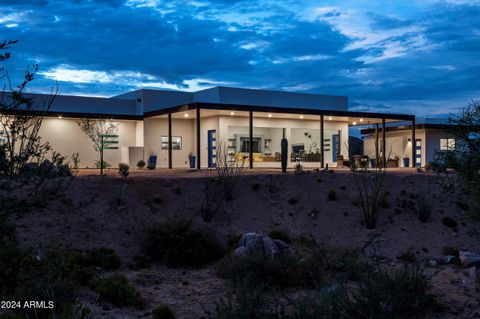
x,y
397,144
155,128
66,137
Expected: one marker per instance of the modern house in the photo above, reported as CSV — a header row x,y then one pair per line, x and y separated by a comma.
x,y
246,124
430,137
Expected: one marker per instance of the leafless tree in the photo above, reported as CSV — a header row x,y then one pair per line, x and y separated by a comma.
x,y
21,118
99,131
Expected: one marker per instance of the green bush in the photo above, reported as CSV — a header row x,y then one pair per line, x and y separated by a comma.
x,y
248,302
141,164
123,169
116,289
332,195
403,293
105,164
163,312
105,258
256,185
179,243
281,271
280,235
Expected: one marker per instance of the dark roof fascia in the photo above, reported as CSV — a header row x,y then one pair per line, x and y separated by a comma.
x,y
79,115
408,127
270,109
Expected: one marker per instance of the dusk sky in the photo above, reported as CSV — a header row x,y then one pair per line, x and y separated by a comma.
x,y
418,57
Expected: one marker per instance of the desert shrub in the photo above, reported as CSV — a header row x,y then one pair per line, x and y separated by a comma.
x,y
344,263
424,209
228,173
141,164
178,242
248,302
76,160
105,258
403,293
116,289
163,312
280,235
256,185
105,165
273,184
54,277
319,180
212,202
177,190
292,200
407,256
369,186
284,270
123,169
119,194
449,222
332,195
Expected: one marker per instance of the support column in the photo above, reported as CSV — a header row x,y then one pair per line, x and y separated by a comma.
x,y
322,157
377,157
170,140
198,137
250,137
384,143
414,143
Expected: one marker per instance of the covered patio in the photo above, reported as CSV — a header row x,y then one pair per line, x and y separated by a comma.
x,y
251,135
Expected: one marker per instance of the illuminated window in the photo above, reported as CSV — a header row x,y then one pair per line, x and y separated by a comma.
x,y
447,144
176,142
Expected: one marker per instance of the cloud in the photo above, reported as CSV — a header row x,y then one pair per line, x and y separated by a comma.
x,y
386,56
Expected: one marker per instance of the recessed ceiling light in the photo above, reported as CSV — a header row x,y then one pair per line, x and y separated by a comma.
x,y
330,118
232,113
361,120
270,115
301,116
354,123
185,115
59,116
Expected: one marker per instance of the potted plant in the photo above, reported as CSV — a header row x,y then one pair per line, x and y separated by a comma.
x,y
141,164
152,160
373,162
191,160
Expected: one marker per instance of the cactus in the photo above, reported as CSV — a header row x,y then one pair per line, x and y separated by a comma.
x,y
284,145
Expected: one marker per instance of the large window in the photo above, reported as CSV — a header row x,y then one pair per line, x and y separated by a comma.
x,y
176,142
447,144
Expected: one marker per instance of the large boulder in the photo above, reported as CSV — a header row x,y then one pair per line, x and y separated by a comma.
x,y
253,243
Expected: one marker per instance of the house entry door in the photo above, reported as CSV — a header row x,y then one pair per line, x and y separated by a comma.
x,y
335,147
212,148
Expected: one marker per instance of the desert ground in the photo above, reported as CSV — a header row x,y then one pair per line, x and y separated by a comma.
x,y
85,217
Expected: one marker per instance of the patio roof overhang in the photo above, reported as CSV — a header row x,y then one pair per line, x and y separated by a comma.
x,y
269,109
400,128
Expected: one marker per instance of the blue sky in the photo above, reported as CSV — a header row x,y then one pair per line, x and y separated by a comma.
x,y
420,57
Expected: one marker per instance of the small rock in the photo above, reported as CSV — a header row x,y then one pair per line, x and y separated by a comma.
x,y
432,263
469,259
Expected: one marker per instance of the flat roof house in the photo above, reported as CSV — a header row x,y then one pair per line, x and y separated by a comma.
x,y
246,124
